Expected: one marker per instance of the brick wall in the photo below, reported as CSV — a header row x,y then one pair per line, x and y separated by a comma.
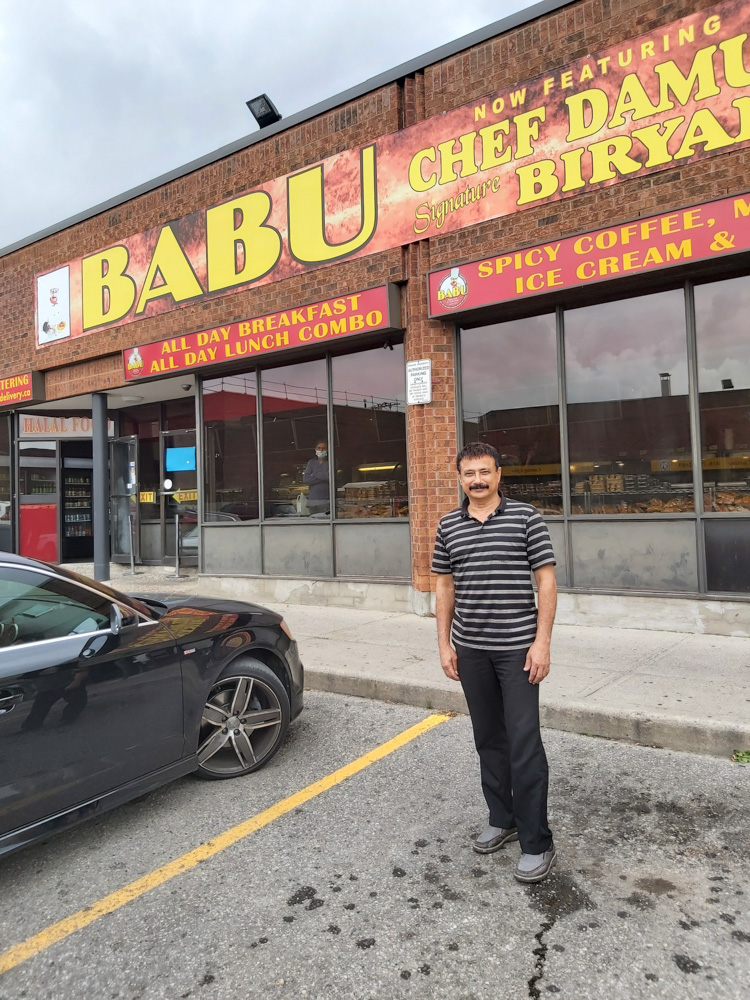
x,y
93,362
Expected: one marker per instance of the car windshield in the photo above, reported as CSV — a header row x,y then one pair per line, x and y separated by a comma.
x,y
109,592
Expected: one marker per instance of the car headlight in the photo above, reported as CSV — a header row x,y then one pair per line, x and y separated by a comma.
x,y
285,628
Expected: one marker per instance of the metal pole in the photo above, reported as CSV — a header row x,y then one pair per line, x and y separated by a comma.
x,y
131,521
176,575
100,486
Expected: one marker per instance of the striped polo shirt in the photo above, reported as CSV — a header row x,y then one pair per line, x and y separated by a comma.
x,y
491,564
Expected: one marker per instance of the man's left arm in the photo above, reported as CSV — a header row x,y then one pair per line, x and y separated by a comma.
x,y
538,656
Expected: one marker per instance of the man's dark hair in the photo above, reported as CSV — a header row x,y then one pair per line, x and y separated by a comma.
x,y
478,449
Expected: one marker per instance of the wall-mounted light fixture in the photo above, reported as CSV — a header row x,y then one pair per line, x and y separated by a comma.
x,y
263,110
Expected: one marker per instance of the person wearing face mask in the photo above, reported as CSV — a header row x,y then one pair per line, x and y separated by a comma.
x,y
316,477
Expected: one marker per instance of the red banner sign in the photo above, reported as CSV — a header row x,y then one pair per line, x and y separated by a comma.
x,y
23,388
715,229
319,322
668,98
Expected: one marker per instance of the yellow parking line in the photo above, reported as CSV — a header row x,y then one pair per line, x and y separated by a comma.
x,y
82,918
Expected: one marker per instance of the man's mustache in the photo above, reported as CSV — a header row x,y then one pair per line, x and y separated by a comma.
x,y
479,486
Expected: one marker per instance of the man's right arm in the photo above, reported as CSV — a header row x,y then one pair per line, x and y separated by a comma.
x,y
444,604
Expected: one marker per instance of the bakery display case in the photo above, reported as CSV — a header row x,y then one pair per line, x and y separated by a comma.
x,y
381,498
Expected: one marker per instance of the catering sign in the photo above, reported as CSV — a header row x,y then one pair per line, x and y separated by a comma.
x,y
27,387
715,229
668,98
319,322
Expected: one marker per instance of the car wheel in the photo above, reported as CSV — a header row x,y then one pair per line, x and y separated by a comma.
x,y
244,721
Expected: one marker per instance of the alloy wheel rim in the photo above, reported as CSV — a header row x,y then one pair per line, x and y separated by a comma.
x,y
241,722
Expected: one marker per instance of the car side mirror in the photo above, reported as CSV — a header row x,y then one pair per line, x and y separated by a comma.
x,y
115,619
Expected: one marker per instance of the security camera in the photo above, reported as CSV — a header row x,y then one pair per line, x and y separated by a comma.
x,y
187,386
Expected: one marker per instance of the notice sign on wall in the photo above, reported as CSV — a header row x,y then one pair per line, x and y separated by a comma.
x,y
419,382
716,229
317,323
663,100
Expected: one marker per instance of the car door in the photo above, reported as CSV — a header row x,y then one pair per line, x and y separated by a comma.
x,y
83,708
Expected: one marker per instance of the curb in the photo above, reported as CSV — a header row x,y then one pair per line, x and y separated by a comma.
x,y
689,735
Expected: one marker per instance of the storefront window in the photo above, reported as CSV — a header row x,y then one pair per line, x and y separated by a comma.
x,y
510,399
6,505
627,392
721,311
230,420
369,406
295,441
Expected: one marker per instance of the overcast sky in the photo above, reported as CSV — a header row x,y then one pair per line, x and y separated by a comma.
x,y
102,96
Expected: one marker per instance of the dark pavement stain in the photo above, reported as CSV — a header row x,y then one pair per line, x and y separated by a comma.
x,y
314,904
478,872
453,946
727,918
333,929
398,872
348,906
405,974
303,893
685,964
656,886
559,896
424,969
420,843
741,936
640,902
364,943
652,977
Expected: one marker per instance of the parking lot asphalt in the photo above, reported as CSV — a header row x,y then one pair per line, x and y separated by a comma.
x,y
678,690
369,890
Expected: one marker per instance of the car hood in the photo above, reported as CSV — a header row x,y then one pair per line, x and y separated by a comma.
x,y
217,605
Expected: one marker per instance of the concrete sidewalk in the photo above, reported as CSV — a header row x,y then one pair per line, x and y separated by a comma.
x,y
679,690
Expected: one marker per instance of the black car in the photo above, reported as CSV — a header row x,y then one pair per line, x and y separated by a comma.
x,y
104,697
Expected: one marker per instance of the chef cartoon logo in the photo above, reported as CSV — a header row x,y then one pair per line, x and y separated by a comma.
x,y
452,290
134,364
53,306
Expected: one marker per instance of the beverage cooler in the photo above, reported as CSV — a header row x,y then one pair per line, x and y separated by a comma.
x,y
55,497
76,535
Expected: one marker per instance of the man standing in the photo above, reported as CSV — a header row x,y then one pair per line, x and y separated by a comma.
x,y
494,641
316,477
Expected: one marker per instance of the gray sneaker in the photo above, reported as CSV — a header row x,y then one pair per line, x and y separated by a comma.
x,y
493,838
535,867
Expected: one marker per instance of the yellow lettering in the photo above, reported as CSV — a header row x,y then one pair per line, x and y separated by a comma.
x,y
527,128
107,292
703,129
656,140
734,67
240,247
171,266
609,154
587,113
492,145
416,181
632,98
463,156
673,81
307,224
536,181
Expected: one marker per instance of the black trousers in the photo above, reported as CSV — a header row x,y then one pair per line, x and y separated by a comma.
x,y
504,709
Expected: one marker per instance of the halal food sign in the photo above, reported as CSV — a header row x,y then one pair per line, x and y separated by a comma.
x,y
674,96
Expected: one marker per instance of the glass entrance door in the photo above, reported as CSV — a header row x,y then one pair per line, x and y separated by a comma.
x,y
124,499
180,495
